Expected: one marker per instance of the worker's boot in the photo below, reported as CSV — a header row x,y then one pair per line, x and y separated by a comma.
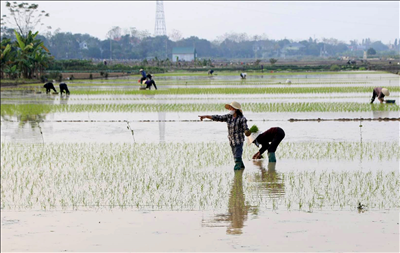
x,y
239,165
271,157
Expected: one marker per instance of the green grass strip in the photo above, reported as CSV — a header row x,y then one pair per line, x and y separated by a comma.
x,y
29,109
268,90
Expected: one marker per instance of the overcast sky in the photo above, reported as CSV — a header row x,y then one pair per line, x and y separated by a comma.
x,y
294,20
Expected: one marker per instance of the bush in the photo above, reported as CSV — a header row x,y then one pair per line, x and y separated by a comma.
x,y
362,68
54,75
43,79
335,68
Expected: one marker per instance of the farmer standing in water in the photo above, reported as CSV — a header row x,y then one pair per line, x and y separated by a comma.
x,y
237,126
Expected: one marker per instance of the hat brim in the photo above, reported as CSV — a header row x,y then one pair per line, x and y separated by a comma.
x,y
252,138
228,106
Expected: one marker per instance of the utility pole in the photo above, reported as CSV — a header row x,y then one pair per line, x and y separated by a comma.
x,y
160,28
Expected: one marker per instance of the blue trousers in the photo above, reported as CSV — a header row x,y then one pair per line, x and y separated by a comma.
x,y
237,151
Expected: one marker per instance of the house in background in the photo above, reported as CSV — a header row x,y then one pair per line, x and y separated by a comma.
x,y
184,54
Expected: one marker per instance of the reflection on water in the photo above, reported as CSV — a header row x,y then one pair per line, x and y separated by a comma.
x,y
64,99
269,181
378,111
28,114
237,209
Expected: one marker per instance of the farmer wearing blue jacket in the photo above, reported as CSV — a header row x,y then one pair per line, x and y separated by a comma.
x,y
144,77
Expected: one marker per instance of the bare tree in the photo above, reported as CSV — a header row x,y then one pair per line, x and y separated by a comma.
x,y
175,35
24,17
112,34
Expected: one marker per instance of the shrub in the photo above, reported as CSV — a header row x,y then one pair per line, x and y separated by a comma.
x,y
335,67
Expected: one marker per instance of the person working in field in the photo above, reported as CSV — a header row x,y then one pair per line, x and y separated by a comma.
x,y
243,75
237,125
273,135
64,88
210,72
49,86
380,93
144,77
149,82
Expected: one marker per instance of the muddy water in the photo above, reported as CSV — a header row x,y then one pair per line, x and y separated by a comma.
x,y
237,225
182,131
219,230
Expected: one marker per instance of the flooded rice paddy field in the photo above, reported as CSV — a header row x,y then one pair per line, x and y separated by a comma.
x,y
102,168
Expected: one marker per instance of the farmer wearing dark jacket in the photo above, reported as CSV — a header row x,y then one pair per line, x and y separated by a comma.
x,y
149,82
237,125
49,86
273,135
380,93
64,87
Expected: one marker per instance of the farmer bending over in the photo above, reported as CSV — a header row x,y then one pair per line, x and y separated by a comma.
x,y
64,88
273,135
237,125
49,86
149,83
243,75
380,93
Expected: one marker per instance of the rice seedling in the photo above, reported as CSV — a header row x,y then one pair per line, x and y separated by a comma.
x,y
32,109
182,91
93,176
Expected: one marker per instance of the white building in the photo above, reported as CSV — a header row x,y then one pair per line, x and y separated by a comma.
x,y
184,54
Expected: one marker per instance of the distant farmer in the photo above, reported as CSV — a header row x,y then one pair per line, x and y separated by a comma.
x,y
273,135
64,88
243,75
237,125
210,72
149,83
380,93
49,86
144,77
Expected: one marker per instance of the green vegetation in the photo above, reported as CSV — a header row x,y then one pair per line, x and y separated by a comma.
x,y
18,109
128,176
253,129
25,57
180,91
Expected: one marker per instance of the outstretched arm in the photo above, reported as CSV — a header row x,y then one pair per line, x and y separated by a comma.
x,y
205,116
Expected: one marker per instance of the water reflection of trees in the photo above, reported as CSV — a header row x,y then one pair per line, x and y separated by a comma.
x,y
31,114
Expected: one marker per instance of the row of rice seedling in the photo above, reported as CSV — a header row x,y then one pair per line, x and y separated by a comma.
x,y
205,82
183,98
152,176
310,190
250,73
188,90
23,109
267,90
